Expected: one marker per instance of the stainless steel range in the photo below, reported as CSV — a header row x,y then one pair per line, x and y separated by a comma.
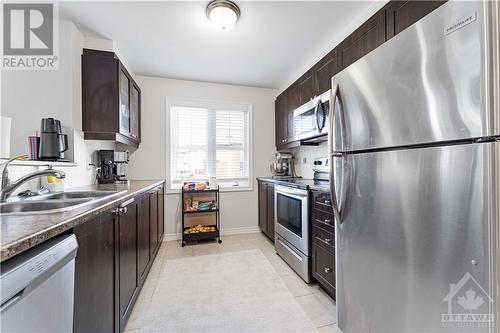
x,y
291,219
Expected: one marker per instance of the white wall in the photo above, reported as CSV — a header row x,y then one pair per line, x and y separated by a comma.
x,y
309,153
238,209
29,96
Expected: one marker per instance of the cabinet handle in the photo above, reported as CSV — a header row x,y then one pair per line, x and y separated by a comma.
x,y
328,270
327,222
327,241
123,210
128,202
115,211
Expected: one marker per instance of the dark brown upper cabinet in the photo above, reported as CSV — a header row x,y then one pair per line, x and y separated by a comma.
x,y
401,14
366,38
110,99
280,119
390,20
324,70
306,87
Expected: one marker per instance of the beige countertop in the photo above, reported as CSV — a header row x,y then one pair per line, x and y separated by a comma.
x,y
21,232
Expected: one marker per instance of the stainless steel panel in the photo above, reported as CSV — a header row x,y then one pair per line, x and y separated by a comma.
x,y
299,262
414,222
426,84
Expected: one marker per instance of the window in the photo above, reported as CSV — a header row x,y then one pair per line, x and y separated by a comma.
x,y
209,139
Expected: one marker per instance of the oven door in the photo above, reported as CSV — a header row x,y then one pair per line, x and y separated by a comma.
x,y
291,215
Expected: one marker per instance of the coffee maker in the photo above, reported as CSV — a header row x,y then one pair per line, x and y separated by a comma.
x,y
283,167
53,143
121,160
111,166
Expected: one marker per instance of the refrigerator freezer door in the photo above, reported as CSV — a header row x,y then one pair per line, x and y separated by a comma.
x,y
425,85
415,242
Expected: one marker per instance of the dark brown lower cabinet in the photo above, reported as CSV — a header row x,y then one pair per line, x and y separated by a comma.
x,y
153,220
112,262
128,260
143,226
323,268
94,275
266,208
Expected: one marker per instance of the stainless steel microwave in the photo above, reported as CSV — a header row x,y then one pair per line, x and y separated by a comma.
x,y
311,119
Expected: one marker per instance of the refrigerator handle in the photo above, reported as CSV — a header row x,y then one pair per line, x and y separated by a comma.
x,y
333,191
336,131
331,117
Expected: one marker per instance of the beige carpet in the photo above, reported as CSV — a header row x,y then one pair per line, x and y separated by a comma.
x,y
233,292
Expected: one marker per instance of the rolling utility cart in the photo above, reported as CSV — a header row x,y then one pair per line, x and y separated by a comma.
x,y
202,231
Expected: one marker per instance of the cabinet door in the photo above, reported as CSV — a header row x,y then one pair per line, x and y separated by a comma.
x,y
124,116
323,268
270,211
263,207
153,221
161,214
280,120
324,70
292,104
128,261
99,93
401,14
135,109
94,276
143,254
366,38
306,87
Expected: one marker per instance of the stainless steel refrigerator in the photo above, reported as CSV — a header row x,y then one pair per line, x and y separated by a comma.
x,y
415,144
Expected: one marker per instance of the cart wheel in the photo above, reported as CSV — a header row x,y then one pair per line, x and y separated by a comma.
x,y
220,241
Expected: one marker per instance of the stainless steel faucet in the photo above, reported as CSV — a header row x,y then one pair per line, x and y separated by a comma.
x,y
8,187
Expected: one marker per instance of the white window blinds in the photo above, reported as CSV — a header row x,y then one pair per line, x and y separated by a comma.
x,y
209,140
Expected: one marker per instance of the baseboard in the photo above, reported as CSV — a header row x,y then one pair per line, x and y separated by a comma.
x,y
227,231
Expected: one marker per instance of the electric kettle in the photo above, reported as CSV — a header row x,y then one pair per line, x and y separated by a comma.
x,y
53,143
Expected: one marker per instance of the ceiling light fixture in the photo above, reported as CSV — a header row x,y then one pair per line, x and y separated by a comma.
x,y
223,14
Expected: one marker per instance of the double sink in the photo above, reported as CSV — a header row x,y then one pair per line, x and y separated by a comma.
x,y
55,202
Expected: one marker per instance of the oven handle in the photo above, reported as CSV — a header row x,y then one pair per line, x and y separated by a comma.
x,y
290,195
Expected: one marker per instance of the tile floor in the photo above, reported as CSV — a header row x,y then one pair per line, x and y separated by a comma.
x,y
315,303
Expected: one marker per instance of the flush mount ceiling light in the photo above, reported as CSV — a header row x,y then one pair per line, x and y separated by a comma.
x,y
223,14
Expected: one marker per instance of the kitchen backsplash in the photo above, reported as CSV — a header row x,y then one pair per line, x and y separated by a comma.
x,y
309,153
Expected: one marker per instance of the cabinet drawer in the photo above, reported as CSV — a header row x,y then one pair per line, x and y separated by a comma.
x,y
324,239
323,220
322,201
323,267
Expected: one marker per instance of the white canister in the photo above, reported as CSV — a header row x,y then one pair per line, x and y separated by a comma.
x,y
5,125
212,183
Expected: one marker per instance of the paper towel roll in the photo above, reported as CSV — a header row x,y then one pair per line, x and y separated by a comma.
x,y
5,124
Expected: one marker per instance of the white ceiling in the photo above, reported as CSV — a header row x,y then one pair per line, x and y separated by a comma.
x,y
270,43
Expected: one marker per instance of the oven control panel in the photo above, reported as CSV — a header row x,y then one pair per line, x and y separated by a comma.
x,y
321,164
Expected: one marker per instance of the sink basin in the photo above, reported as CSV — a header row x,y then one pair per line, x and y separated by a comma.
x,y
41,206
54,202
72,195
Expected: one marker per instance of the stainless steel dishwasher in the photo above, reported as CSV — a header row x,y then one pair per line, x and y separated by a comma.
x,y
37,288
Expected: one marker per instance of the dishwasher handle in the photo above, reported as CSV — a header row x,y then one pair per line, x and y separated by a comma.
x,y
11,301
